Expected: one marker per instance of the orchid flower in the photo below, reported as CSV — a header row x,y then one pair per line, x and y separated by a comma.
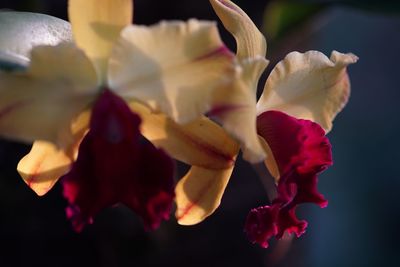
x,y
301,97
91,108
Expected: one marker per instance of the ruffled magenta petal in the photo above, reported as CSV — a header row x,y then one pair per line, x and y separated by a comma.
x,y
261,224
116,164
301,152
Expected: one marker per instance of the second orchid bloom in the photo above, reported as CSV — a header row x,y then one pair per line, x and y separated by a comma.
x,y
109,112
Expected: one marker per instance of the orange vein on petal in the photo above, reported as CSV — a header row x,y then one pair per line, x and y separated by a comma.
x,y
46,163
200,142
42,167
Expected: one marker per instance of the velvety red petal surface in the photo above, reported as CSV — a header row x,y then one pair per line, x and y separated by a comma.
x,y
301,151
117,165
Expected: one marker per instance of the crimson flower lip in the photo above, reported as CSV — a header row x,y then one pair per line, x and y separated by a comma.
x,y
301,151
115,166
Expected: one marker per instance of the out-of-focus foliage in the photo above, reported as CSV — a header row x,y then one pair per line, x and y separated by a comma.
x,y
282,16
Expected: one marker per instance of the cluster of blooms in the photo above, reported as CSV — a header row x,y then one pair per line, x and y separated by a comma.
x,y
109,111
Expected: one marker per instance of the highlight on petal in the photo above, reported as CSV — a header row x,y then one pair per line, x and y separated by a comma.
x,y
96,25
21,31
42,102
235,109
250,41
116,164
173,67
301,152
309,86
46,163
199,194
201,142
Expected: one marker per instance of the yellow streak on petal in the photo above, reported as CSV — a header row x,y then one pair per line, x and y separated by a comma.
x,y
96,25
199,194
250,41
200,142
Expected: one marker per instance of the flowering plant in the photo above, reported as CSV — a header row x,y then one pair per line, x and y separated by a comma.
x,y
108,112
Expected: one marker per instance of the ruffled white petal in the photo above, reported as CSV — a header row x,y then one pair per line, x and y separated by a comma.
x,y
309,86
173,67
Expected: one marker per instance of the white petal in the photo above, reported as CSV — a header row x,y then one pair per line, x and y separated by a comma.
x,y
240,119
41,103
236,109
173,67
308,86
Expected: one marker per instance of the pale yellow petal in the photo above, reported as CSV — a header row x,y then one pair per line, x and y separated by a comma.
x,y
96,25
309,86
200,142
199,194
240,116
270,161
42,102
174,67
46,163
236,109
250,41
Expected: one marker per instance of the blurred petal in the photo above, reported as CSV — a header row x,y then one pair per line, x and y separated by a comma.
x,y
199,194
46,163
309,86
301,151
261,225
96,25
115,164
12,62
236,109
21,31
250,41
41,103
200,142
173,67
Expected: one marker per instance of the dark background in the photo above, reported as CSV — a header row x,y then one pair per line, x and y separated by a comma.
x,y
360,227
